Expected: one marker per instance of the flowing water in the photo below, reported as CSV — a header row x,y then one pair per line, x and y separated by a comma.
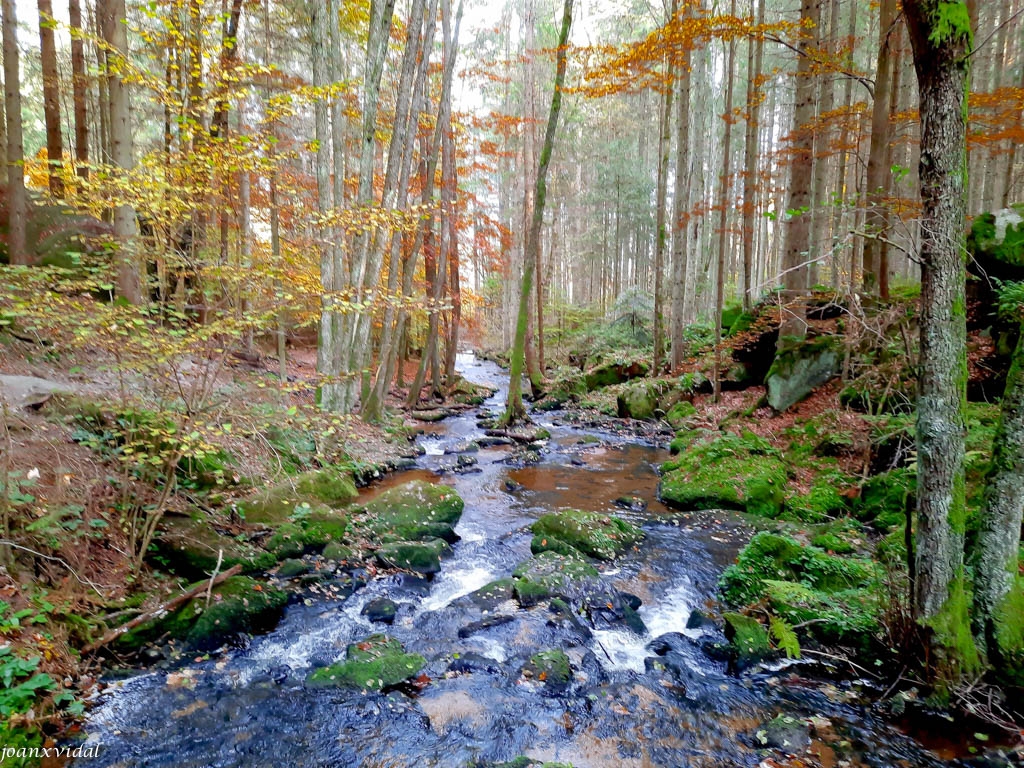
x,y
250,706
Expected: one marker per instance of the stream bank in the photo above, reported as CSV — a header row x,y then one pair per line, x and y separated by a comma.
x,y
651,694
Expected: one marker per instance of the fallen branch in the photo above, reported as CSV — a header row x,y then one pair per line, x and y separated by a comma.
x,y
167,607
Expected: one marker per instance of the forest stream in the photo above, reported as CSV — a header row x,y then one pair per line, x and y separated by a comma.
x,y
632,700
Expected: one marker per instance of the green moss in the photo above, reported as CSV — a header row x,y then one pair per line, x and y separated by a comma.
x,y
884,498
549,574
1010,636
747,637
680,413
729,472
191,546
413,511
552,667
311,490
771,557
952,627
840,537
238,605
378,662
591,533
849,616
951,20
639,400
423,557
825,499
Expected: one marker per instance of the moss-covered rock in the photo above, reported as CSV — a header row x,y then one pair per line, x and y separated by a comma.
x,y
770,556
849,616
550,574
376,663
190,546
413,511
749,640
826,499
799,368
639,399
884,498
423,557
314,490
726,472
840,537
606,371
680,414
468,393
590,533
551,668
239,605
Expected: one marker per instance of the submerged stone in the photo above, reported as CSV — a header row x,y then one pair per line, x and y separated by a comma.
x,y
423,557
551,668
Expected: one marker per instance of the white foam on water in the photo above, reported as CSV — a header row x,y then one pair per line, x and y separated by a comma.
x,y
452,584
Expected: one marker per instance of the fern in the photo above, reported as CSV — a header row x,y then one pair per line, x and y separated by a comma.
x,y
784,636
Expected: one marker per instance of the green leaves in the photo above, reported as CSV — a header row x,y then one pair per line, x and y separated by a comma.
x,y
784,636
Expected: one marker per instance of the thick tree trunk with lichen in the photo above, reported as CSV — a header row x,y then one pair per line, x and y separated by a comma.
x,y
997,553
514,410
798,227
941,37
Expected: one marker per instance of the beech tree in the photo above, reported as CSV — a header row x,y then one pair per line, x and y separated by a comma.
x,y
940,34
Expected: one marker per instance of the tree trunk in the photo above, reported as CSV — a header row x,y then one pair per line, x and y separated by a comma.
x,y
725,185
941,37
80,86
998,548
755,63
680,212
877,217
17,200
51,98
798,226
514,409
122,153
661,241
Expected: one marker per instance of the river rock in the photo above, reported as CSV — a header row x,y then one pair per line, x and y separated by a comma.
x,y
590,533
748,639
550,574
317,491
414,511
552,668
465,663
485,623
377,662
423,557
289,569
191,546
239,605
786,733
381,609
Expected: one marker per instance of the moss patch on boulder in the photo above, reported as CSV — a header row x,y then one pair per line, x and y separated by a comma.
x,y
849,616
749,640
884,498
726,472
590,533
423,557
551,668
550,574
377,662
413,511
239,605
189,546
330,487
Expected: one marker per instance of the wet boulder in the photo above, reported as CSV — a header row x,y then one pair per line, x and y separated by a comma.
x,y
747,638
316,490
801,367
414,511
598,535
552,668
191,546
423,557
639,400
291,569
550,574
238,606
488,622
378,662
724,471
467,663
381,609
491,595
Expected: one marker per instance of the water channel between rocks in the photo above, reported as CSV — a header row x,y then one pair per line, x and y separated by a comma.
x,y
251,707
